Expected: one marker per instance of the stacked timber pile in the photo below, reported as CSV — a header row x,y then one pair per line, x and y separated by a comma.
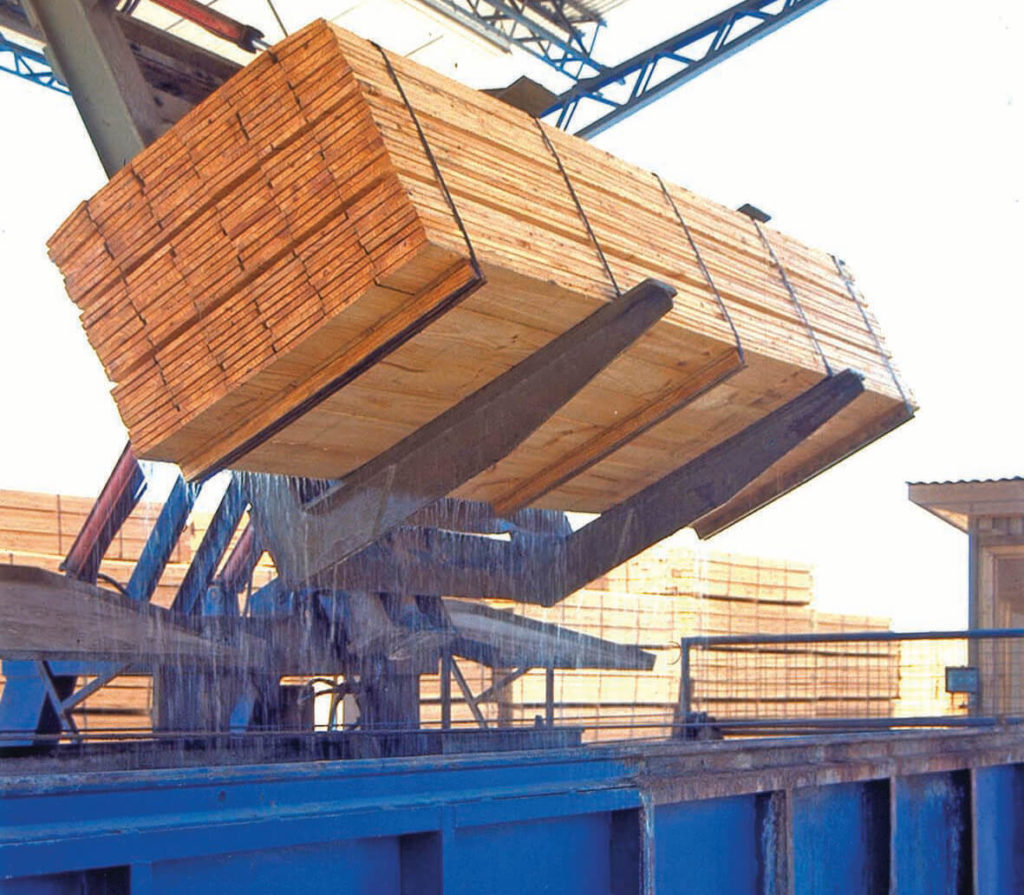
x,y
923,681
667,593
39,529
338,245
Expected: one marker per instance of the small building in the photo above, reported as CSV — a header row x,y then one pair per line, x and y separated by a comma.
x,y
991,513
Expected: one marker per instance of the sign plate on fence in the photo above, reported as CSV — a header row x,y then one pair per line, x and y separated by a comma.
x,y
961,679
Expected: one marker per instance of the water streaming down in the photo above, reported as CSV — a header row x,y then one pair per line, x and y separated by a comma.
x,y
283,637
272,629
266,646
389,640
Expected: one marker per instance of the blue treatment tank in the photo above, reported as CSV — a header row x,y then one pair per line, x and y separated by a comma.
x,y
924,812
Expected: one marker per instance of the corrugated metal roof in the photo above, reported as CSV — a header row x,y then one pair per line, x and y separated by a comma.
x,y
599,7
1015,478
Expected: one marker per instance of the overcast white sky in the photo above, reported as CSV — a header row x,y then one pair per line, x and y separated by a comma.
x,y
891,133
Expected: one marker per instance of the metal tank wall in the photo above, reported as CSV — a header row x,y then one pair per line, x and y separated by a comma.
x,y
915,813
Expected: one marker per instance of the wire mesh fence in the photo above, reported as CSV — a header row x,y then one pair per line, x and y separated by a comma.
x,y
852,680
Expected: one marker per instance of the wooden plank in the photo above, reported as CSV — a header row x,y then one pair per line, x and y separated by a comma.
x,y
50,616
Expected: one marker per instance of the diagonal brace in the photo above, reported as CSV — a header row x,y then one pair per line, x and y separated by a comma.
x,y
544,570
451,449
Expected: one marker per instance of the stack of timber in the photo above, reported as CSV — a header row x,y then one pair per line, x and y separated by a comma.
x,y
339,244
667,593
38,530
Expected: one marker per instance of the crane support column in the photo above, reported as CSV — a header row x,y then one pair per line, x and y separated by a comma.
x,y
92,56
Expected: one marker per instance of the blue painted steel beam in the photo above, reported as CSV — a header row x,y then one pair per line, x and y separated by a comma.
x,y
557,32
215,542
931,845
840,837
162,540
825,815
29,64
631,85
997,800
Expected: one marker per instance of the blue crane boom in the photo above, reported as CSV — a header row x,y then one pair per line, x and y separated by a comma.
x,y
29,64
637,82
562,34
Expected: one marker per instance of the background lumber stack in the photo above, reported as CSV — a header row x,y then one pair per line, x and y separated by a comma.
x,y
293,227
38,529
669,592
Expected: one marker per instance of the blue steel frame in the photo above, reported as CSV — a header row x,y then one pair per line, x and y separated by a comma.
x,y
201,571
624,89
39,697
29,64
565,41
162,540
562,34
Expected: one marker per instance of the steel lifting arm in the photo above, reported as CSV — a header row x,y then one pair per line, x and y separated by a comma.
x,y
307,538
216,23
115,503
545,569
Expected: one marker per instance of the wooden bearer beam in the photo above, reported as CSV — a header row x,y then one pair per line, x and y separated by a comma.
x,y
702,484
610,440
45,616
760,494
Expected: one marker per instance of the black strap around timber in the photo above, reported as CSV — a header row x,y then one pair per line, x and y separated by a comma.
x,y
845,277
579,206
793,296
431,158
338,382
707,274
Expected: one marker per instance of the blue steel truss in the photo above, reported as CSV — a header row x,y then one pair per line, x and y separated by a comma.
x,y
562,34
559,32
623,89
29,64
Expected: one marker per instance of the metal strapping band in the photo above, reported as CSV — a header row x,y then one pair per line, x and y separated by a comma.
x,y
792,295
867,322
579,206
430,157
703,267
381,351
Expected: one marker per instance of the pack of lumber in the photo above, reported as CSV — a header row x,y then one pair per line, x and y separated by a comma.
x,y
339,244
38,530
805,681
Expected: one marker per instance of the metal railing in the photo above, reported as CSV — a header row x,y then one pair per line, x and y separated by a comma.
x,y
796,683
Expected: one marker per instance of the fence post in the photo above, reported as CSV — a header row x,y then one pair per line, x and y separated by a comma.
x,y
685,688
